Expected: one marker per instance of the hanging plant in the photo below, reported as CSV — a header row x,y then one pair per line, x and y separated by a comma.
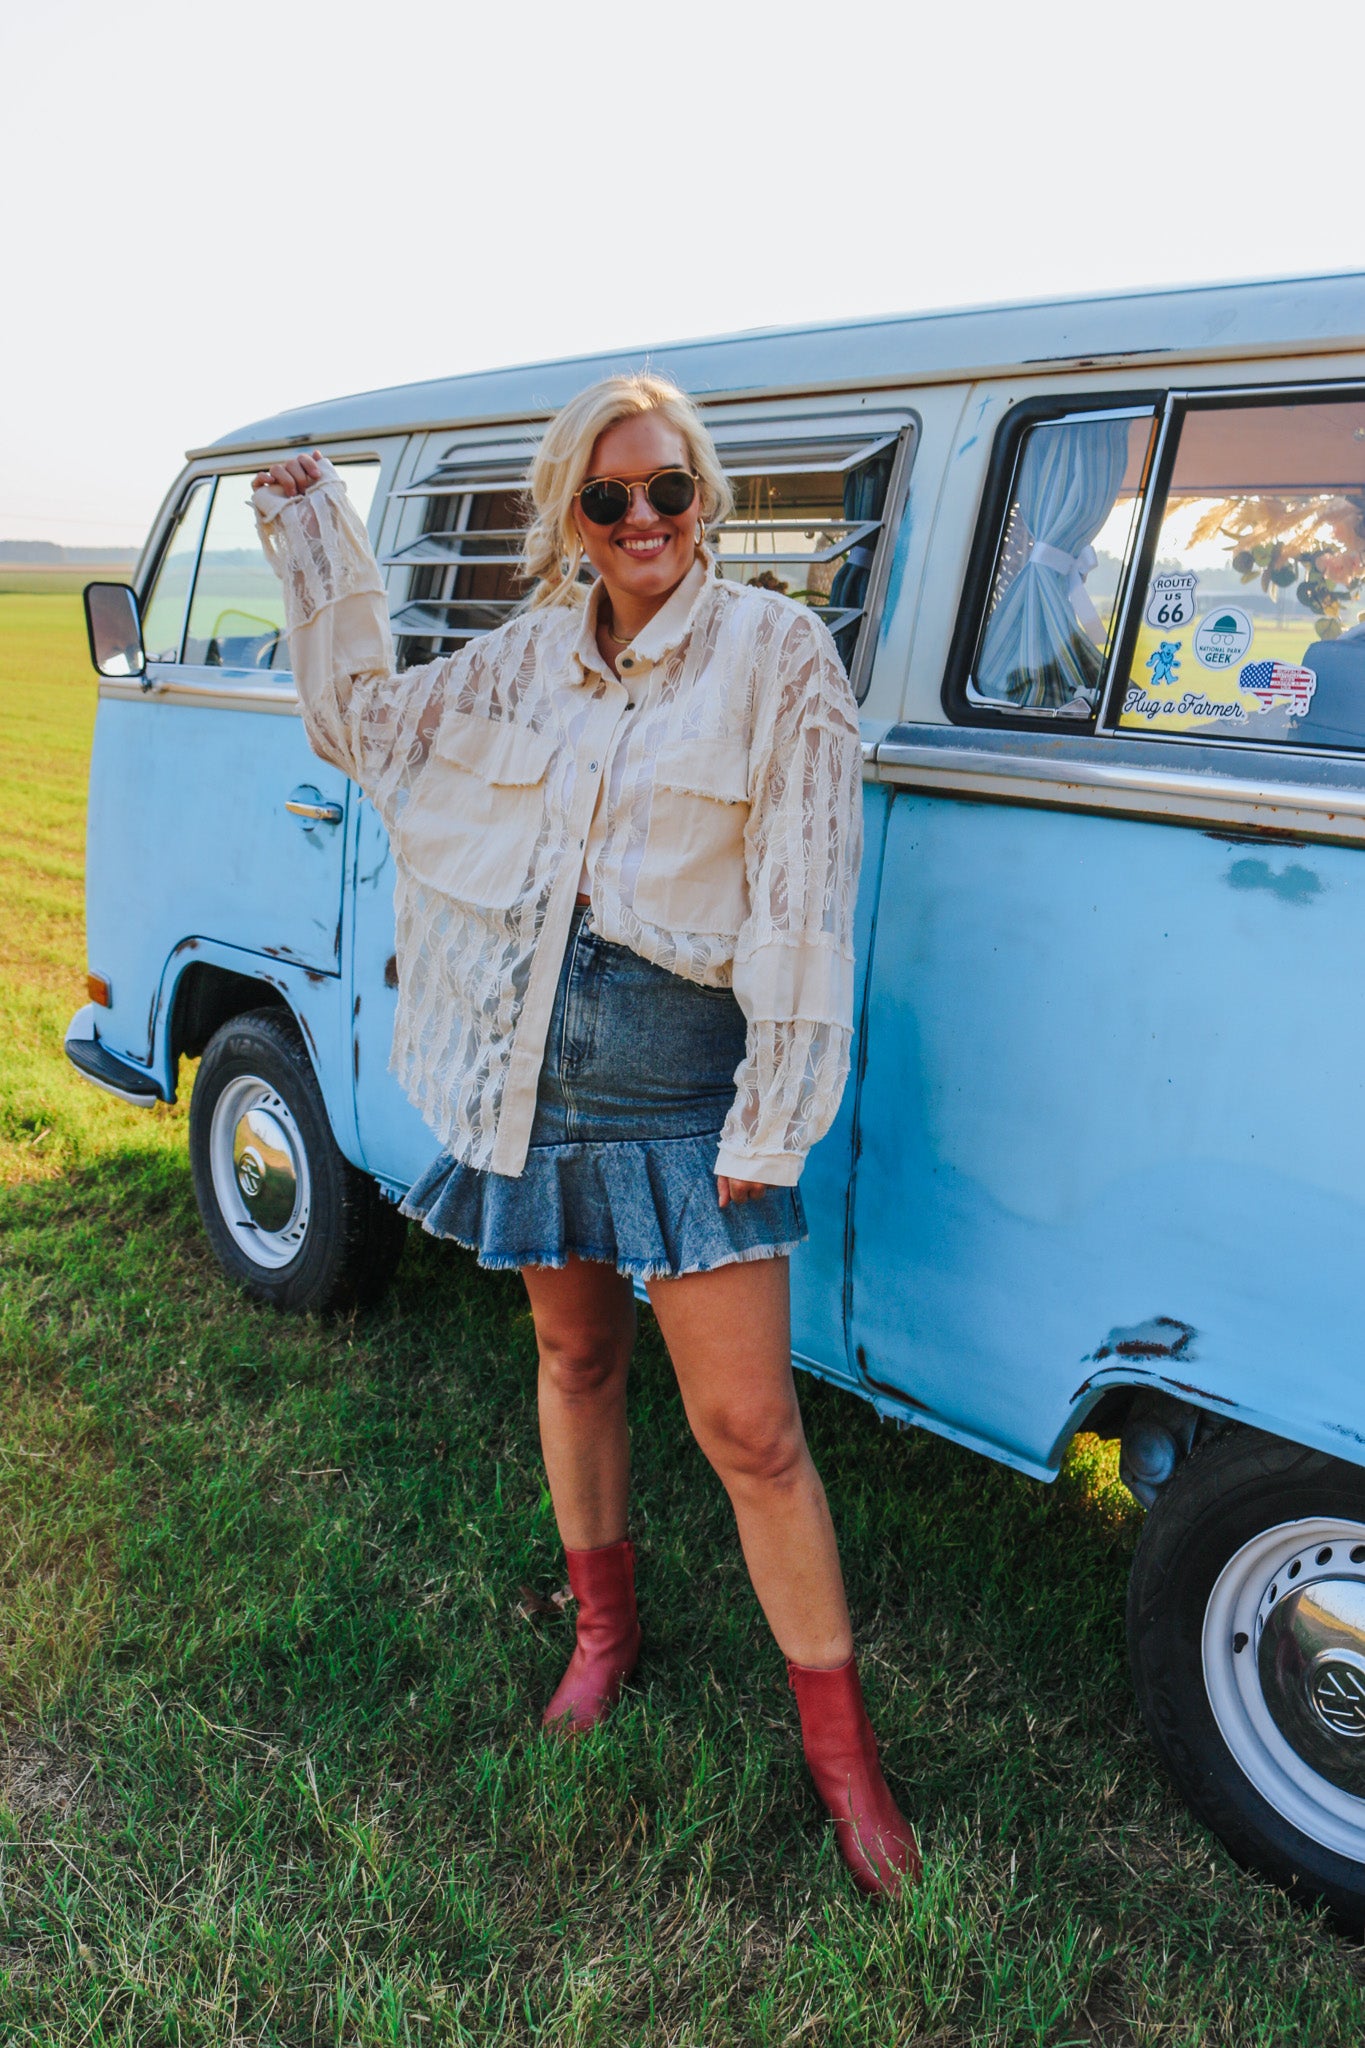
x,y
1316,545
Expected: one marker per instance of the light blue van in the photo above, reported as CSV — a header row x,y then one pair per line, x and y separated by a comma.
x,y
1098,573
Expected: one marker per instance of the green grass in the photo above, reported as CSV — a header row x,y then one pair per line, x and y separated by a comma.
x,y
269,1763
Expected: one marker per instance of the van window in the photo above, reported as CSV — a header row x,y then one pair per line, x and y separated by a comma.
x,y
163,614
812,506
237,612
811,514
1253,616
462,568
1065,542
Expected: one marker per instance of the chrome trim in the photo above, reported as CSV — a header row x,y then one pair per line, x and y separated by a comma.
x,y
1130,595
892,516
229,695
1325,800
1311,1659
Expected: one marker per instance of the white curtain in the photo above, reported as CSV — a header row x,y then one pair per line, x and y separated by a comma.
x,y
1044,640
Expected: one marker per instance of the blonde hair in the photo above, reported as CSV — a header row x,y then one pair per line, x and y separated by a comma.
x,y
553,552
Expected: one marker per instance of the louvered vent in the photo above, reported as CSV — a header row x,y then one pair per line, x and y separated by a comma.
x,y
814,499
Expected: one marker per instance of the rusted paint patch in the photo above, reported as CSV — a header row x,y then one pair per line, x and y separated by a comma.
x,y
1158,1337
1224,837
391,971
303,1027
355,1057
185,946
355,1007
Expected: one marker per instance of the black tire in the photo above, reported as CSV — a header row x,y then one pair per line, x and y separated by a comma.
x,y
259,1132
1246,1633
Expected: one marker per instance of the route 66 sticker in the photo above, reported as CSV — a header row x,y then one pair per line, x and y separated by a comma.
x,y
1170,599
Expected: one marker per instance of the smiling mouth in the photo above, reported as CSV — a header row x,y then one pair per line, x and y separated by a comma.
x,y
655,545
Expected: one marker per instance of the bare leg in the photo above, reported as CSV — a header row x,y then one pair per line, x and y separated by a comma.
x,y
728,1335
585,1326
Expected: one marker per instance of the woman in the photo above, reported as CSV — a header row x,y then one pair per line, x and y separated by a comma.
x,y
626,829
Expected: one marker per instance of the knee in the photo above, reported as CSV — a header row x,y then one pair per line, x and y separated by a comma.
x,y
756,1448
583,1365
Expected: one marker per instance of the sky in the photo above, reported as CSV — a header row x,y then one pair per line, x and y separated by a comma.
x,y
216,211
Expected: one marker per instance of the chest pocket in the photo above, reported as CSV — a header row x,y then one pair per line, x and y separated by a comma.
x,y
692,876
475,813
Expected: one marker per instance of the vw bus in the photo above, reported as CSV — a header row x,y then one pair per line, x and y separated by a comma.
x,y
1097,570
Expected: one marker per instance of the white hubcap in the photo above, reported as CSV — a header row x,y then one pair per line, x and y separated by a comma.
x,y
260,1171
1284,1665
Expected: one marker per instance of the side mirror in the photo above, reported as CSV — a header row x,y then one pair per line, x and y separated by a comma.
x,y
114,629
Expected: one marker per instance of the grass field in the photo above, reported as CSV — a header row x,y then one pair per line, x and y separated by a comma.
x,y
270,1770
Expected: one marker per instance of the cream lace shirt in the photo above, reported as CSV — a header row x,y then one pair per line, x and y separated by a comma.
x,y
714,790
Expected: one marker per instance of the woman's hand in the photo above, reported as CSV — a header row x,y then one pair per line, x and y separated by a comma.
x,y
292,478
738,1190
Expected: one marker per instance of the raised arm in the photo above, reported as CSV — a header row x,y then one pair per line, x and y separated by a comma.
x,y
793,971
373,724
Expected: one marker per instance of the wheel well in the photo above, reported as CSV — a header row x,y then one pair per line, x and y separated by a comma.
x,y
1156,1433
207,997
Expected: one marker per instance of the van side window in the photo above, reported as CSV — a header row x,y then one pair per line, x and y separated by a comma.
x,y
813,504
811,517
237,612
163,613
462,568
1065,541
1252,621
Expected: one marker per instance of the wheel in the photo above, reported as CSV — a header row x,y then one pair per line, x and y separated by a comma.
x,y
291,1221
1246,1630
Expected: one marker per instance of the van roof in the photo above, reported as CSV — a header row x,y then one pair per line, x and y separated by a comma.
x,y
1269,316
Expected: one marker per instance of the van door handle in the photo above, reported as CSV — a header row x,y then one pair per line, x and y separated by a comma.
x,y
308,804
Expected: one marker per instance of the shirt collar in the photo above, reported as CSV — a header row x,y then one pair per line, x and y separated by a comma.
x,y
668,628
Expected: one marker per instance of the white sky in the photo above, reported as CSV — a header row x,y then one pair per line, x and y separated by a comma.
x,y
215,211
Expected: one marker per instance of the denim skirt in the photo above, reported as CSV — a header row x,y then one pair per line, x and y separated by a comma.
x,y
637,1080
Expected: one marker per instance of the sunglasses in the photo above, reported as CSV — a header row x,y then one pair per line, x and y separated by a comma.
x,y
605,499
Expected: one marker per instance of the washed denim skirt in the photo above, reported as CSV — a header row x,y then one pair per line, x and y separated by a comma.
x,y
639,1076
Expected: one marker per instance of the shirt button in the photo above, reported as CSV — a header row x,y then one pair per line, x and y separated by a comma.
x,y
630,707
627,661
592,767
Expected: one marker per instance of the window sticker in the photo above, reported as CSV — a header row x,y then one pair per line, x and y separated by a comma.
x,y
1222,637
1278,682
1170,600
1253,623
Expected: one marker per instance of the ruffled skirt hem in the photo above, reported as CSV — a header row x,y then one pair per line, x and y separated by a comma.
x,y
648,1207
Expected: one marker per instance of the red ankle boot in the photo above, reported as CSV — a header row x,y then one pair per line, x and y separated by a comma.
x,y
603,1584
874,1837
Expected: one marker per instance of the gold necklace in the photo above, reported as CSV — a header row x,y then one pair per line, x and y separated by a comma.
x,y
622,640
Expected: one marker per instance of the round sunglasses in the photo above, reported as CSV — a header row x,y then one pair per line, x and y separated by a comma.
x,y
605,499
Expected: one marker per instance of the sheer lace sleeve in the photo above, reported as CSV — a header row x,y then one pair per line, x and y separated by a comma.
x,y
374,725
793,971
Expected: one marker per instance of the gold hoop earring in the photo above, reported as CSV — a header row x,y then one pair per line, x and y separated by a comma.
x,y
701,535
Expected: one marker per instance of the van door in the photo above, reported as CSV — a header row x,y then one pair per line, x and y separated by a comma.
x,y
1111,1118
209,816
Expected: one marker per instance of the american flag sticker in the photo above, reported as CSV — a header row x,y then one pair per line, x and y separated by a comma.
x,y
1278,682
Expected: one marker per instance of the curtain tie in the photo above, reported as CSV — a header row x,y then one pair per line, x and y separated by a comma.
x,y
1075,568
